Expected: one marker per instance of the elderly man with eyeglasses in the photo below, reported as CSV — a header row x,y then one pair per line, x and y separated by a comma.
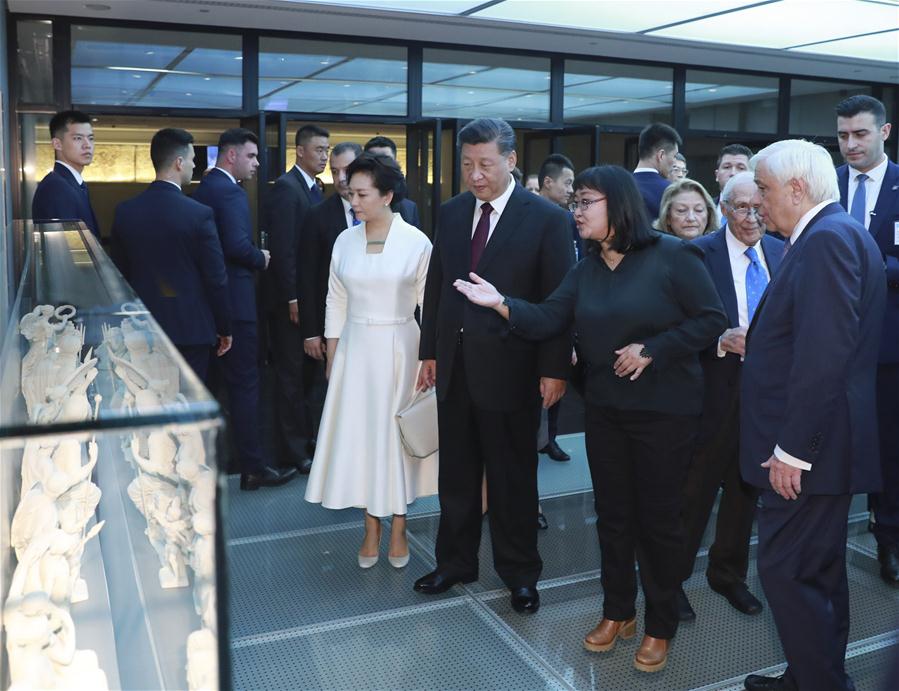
x,y
741,259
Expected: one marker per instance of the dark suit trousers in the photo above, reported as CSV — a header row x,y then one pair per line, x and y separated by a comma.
x,y
802,564
717,461
198,357
638,461
552,420
474,441
291,418
886,503
240,371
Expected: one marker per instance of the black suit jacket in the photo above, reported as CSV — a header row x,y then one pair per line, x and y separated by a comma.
x,y
288,203
59,196
408,211
324,222
527,256
167,247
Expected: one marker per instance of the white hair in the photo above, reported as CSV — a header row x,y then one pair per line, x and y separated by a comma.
x,y
744,178
797,159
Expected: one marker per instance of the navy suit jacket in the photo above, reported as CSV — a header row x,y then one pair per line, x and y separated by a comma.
x,y
229,203
324,222
652,186
811,360
721,376
883,230
408,211
166,246
59,196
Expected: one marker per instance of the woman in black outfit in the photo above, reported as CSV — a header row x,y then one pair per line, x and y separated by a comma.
x,y
643,306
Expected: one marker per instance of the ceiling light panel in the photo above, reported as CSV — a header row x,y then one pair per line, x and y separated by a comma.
x,y
428,6
884,46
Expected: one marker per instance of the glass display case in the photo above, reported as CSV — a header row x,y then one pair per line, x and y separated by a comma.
x,y
111,559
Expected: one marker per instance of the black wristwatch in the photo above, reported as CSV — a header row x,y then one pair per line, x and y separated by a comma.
x,y
506,301
645,353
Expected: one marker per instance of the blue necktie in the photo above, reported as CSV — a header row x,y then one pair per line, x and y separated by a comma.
x,y
859,201
315,193
356,221
756,281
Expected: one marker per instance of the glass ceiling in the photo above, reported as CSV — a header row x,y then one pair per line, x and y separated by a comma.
x,y
867,29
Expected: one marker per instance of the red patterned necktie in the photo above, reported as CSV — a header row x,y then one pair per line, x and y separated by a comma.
x,y
481,231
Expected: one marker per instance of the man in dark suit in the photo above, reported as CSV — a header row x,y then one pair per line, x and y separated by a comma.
x,y
298,379
488,379
741,259
808,425
869,191
657,148
732,159
237,160
166,246
62,194
407,208
324,223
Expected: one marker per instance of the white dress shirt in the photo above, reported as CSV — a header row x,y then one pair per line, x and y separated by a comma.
x,y
230,177
782,455
872,187
498,205
347,212
739,262
310,181
171,183
644,169
74,172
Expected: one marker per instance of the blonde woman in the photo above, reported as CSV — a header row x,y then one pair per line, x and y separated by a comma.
x,y
686,210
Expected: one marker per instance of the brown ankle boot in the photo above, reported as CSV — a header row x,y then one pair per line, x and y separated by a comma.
x,y
652,654
603,637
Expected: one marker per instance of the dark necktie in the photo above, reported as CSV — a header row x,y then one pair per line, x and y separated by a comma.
x,y
787,245
315,193
859,200
481,231
356,221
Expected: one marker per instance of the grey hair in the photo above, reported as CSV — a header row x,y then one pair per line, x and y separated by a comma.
x,y
797,159
485,130
343,147
744,178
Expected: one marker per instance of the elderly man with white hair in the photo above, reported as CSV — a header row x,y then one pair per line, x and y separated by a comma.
x,y
808,423
741,259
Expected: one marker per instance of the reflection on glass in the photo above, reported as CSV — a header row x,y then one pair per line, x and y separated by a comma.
x,y
731,102
140,67
471,85
603,93
34,55
812,105
324,77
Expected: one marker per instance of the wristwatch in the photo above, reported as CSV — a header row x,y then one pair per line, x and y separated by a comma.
x,y
506,301
645,353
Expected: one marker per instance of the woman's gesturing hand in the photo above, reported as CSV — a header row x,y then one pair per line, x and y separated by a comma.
x,y
630,362
480,292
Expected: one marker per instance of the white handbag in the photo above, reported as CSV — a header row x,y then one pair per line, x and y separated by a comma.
x,y
418,424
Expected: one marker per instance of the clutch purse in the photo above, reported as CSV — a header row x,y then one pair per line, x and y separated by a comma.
x,y
418,424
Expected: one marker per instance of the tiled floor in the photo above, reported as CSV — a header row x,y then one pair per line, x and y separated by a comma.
x,y
304,616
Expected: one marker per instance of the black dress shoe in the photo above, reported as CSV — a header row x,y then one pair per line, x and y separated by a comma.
x,y
439,581
267,477
525,600
303,467
542,523
889,564
554,451
756,682
739,597
684,609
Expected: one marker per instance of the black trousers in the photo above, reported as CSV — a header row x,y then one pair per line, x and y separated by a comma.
x,y
717,461
291,415
885,504
474,441
802,564
240,373
638,462
198,357
552,421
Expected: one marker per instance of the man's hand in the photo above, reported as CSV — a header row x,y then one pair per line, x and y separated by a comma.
x,y
785,479
734,341
268,257
293,310
223,345
427,375
315,347
552,391
630,362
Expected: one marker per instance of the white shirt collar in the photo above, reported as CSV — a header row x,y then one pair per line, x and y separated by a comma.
x,y
875,174
499,204
736,246
74,172
643,169
804,221
230,177
310,181
346,205
175,184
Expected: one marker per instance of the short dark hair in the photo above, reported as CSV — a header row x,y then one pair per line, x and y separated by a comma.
x,y
61,121
167,144
236,136
379,142
485,130
552,167
307,132
657,136
625,207
733,150
343,147
680,157
860,103
385,174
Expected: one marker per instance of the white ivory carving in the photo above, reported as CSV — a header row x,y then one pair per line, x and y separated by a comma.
x,y
160,459
202,661
35,515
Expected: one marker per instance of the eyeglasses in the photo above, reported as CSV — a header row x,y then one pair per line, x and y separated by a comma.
x,y
584,204
743,211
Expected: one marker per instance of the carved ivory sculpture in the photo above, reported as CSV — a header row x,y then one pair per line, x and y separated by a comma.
x,y
202,661
168,527
39,366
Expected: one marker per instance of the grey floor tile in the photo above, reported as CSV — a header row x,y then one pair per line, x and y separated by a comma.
x,y
869,671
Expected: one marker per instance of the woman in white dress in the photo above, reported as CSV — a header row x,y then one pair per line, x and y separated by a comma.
x,y
378,271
